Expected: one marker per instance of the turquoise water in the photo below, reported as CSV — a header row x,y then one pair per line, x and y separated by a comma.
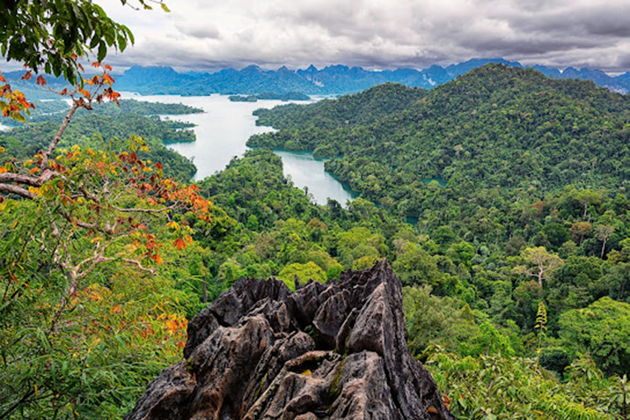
x,y
307,172
222,131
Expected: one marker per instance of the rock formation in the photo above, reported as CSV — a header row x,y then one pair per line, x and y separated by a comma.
x,y
333,350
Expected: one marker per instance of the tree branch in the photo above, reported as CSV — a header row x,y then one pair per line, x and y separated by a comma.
x,y
135,210
14,189
19,179
62,128
139,265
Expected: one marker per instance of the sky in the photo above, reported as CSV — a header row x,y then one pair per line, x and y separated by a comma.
x,y
377,34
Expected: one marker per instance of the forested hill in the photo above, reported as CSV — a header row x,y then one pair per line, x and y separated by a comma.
x,y
495,126
361,108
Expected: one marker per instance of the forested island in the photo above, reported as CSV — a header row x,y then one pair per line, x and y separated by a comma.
x,y
483,271
289,96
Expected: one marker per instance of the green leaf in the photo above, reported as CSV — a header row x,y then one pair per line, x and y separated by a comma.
x,y
102,51
122,42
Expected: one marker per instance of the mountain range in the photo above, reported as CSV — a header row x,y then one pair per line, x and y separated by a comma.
x,y
330,80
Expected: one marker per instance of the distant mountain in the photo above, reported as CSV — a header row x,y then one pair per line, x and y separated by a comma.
x,y
330,80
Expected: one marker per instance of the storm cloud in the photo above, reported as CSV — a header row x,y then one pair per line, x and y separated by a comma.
x,y
208,35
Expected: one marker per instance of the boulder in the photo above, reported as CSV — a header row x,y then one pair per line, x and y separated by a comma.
x,y
334,351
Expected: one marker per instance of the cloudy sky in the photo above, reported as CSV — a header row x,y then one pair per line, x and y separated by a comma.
x,y
209,34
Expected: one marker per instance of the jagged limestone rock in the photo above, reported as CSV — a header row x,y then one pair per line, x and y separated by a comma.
x,y
334,351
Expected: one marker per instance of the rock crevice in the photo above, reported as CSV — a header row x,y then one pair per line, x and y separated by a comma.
x,y
334,351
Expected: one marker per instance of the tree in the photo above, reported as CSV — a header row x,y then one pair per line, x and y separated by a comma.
x,y
430,319
415,266
588,198
54,36
539,263
87,237
297,273
556,233
603,233
576,284
579,230
541,322
602,330
17,180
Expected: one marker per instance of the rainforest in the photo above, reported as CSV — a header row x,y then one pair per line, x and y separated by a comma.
x,y
500,200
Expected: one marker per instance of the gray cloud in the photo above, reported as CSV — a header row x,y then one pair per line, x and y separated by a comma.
x,y
204,31
205,34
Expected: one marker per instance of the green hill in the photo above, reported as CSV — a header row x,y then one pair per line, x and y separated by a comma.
x,y
495,126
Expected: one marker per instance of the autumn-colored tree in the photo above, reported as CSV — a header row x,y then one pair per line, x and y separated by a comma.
x,y
87,235
579,230
75,223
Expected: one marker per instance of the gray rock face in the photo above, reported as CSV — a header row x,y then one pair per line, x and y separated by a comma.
x,y
333,351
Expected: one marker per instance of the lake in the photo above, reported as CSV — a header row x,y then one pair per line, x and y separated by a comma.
x,y
222,131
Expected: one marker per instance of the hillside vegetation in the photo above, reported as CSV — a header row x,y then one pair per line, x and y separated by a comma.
x,y
496,126
515,266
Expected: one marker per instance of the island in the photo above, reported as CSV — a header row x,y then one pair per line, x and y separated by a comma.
x,y
287,96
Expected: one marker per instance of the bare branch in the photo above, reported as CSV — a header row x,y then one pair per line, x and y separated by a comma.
x,y
19,179
139,265
80,223
14,189
135,210
62,128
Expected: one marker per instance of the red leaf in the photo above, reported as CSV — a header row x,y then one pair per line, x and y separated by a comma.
x,y
179,243
40,80
108,79
27,75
